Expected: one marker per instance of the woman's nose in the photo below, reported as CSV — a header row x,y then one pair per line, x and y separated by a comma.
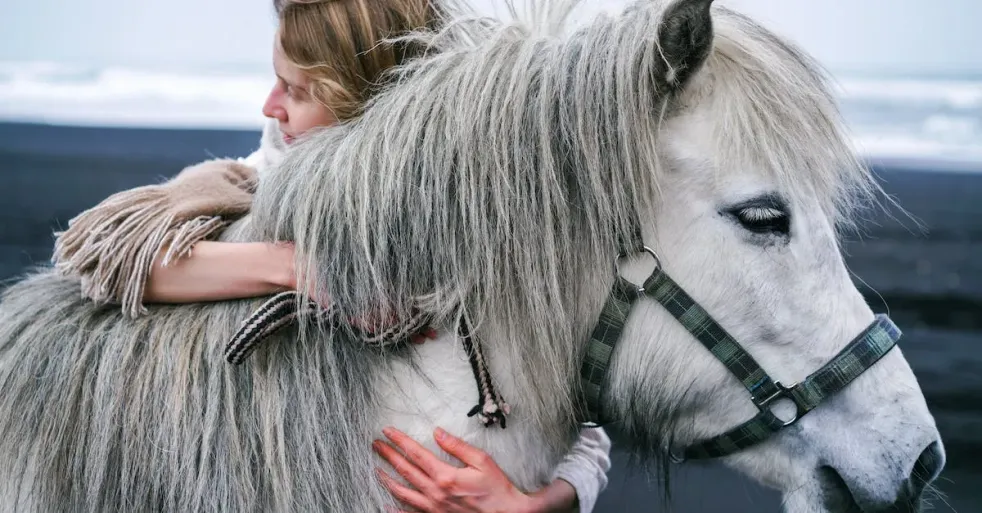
x,y
273,108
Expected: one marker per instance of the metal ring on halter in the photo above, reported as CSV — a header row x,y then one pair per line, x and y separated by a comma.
x,y
644,249
782,392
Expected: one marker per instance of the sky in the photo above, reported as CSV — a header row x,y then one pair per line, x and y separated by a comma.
x,y
864,35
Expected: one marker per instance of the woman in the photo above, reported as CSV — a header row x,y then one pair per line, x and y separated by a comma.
x,y
330,57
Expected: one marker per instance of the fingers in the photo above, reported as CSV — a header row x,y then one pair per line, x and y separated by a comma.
x,y
433,493
405,468
463,451
417,454
427,333
404,494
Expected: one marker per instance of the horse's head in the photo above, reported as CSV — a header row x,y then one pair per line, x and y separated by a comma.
x,y
756,178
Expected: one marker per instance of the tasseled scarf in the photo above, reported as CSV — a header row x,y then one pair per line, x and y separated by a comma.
x,y
113,247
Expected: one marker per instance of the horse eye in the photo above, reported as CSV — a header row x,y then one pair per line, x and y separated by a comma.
x,y
764,220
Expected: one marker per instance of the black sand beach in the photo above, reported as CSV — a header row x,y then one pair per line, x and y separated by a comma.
x,y
930,280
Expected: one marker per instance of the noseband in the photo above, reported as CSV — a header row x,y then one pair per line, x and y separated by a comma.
x,y
857,357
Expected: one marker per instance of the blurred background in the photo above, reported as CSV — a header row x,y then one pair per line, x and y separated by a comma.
x,y
101,95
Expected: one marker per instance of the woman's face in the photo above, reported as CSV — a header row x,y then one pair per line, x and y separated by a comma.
x,y
290,101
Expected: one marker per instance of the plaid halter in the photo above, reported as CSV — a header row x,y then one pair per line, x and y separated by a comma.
x,y
858,356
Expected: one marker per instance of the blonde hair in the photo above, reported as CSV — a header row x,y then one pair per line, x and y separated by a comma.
x,y
342,45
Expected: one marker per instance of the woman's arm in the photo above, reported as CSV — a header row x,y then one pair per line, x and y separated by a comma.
x,y
116,247
479,487
216,271
586,466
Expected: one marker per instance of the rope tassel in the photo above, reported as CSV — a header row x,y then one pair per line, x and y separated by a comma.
x,y
491,407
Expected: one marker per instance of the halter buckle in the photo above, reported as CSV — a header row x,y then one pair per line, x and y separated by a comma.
x,y
782,392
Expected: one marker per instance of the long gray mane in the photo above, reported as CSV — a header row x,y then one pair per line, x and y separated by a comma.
x,y
500,173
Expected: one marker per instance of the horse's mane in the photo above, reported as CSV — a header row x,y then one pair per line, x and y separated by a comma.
x,y
499,173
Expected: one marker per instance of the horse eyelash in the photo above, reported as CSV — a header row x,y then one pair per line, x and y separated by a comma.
x,y
761,213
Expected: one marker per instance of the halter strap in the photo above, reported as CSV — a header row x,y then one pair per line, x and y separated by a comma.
x,y
601,346
858,356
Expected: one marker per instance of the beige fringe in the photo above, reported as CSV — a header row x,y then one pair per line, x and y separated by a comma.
x,y
113,246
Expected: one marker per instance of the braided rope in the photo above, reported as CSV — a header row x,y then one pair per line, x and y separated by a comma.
x,y
287,307
274,314
491,407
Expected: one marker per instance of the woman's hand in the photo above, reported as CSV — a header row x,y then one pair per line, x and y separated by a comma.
x,y
479,487
287,277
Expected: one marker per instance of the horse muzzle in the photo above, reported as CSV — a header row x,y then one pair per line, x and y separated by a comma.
x,y
845,493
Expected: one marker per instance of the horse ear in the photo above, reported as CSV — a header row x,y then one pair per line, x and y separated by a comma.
x,y
685,37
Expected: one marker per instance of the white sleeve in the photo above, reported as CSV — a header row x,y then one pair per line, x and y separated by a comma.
x,y
254,160
586,466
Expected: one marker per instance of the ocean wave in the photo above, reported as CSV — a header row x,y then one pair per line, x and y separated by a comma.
x,y
899,146
952,93
126,97
936,118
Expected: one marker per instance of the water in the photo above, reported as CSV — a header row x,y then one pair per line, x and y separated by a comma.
x,y
923,117
934,117
130,97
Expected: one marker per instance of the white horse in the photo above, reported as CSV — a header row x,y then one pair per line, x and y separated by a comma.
x,y
499,178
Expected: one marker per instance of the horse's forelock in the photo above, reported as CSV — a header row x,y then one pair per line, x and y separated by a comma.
x,y
774,108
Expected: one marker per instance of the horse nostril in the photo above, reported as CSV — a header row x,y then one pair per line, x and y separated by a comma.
x,y
852,496
926,469
836,495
